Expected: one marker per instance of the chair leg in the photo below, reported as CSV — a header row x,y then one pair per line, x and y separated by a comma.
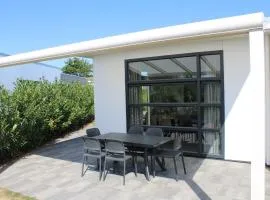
x,y
136,164
163,162
175,168
104,169
83,165
154,167
184,166
97,163
114,166
151,163
134,159
100,171
124,173
146,165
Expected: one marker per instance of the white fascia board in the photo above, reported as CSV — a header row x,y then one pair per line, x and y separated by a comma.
x,y
204,28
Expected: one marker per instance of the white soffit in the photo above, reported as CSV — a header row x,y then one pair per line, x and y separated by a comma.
x,y
242,23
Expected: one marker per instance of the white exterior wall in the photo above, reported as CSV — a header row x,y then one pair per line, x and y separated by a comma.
x,y
238,100
9,75
110,99
267,87
257,66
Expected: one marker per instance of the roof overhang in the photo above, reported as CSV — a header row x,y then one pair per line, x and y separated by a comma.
x,y
230,25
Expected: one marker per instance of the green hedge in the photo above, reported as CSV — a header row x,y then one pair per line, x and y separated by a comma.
x,y
38,111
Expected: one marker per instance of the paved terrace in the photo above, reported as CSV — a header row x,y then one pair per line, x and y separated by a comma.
x,y
53,172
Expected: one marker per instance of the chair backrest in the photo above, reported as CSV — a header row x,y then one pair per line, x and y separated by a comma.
x,y
92,132
91,145
135,130
154,132
114,147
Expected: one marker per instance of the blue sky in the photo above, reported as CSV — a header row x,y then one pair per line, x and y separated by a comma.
x,y
30,24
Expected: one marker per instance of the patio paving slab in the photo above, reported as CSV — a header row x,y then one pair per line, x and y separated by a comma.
x,y
54,172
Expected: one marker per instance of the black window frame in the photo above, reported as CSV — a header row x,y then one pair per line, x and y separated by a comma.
x,y
199,81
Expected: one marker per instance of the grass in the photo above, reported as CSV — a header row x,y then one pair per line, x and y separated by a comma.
x,y
9,195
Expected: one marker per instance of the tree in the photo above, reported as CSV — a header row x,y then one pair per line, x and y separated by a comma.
x,y
78,66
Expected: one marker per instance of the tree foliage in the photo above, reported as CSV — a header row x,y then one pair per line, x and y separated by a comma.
x,y
36,112
78,66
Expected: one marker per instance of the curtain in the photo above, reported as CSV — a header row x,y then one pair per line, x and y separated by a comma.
x,y
211,118
211,141
136,113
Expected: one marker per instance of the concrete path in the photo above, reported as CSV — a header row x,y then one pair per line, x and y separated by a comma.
x,y
54,172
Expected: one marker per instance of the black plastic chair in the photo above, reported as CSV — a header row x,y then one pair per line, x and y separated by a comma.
x,y
172,149
92,132
92,148
115,151
135,130
154,132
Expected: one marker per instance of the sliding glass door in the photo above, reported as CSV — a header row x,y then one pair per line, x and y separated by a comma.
x,y
181,94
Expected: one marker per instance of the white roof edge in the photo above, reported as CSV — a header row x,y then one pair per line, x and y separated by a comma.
x,y
36,63
203,28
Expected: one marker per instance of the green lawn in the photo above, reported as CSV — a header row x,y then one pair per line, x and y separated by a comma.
x,y
9,195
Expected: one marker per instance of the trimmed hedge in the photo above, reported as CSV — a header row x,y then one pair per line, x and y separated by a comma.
x,y
38,111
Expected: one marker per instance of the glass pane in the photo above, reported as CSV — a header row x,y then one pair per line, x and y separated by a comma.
x,y
172,68
211,117
180,93
190,141
211,142
164,116
210,92
136,115
210,66
136,95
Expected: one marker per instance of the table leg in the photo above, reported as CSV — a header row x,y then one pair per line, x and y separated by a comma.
x,y
154,163
146,164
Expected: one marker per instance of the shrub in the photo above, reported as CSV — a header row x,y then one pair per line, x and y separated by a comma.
x,y
38,111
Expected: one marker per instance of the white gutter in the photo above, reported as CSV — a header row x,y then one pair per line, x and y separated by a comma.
x,y
218,26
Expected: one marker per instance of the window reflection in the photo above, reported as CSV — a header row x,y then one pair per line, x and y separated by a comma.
x,y
210,66
164,116
173,68
184,93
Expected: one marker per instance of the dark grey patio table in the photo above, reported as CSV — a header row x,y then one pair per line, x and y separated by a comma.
x,y
146,142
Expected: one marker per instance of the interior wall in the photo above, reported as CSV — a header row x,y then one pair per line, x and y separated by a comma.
x,y
110,99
